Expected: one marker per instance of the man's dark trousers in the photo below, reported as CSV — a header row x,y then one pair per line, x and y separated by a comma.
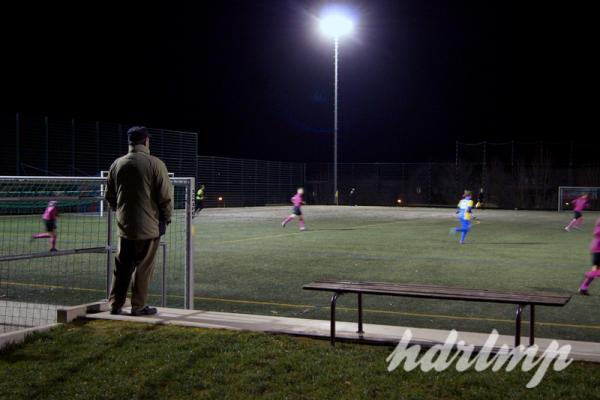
x,y
134,258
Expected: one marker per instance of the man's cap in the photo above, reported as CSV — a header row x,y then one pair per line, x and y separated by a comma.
x,y
137,133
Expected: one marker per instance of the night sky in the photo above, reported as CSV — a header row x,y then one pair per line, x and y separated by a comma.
x,y
255,78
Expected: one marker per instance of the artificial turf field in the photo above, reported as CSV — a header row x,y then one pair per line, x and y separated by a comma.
x,y
246,262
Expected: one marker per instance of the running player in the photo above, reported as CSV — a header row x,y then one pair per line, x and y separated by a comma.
x,y
595,271
464,211
297,211
579,205
49,218
199,200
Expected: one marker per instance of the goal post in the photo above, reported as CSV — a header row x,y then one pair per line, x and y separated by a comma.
x,y
566,195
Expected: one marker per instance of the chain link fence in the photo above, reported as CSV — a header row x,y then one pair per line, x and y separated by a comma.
x,y
39,273
524,175
38,145
231,182
522,185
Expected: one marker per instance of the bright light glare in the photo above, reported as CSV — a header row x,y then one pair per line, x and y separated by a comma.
x,y
336,25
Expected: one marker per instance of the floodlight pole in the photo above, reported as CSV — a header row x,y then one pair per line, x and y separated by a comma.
x,y
335,124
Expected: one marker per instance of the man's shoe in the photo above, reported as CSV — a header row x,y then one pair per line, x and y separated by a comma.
x,y
147,310
583,292
116,311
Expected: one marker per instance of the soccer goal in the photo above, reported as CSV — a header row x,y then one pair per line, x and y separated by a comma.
x,y
566,195
39,272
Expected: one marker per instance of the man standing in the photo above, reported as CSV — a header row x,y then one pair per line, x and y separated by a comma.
x,y
139,190
352,197
480,199
199,199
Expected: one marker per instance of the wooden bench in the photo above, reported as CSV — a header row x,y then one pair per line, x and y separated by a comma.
x,y
521,300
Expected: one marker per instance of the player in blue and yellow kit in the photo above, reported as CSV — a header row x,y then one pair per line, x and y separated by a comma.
x,y
464,211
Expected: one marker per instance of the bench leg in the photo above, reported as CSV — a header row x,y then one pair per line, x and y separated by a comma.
x,y
333,302
518,325
531,324
360,315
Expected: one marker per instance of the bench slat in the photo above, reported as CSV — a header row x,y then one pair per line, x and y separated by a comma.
x,y
440,292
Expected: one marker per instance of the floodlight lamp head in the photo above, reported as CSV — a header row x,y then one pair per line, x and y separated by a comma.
x,y
336,25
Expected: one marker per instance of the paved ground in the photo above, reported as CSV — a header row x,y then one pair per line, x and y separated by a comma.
x,y
582,351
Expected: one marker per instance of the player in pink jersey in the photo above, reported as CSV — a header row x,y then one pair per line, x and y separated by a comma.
x,y
297,210
49,218
579,205
595,250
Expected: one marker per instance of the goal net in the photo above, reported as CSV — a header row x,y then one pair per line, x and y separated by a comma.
x,y
566,195
35,281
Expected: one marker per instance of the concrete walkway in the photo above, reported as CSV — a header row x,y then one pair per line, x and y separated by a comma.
x,y
384,334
